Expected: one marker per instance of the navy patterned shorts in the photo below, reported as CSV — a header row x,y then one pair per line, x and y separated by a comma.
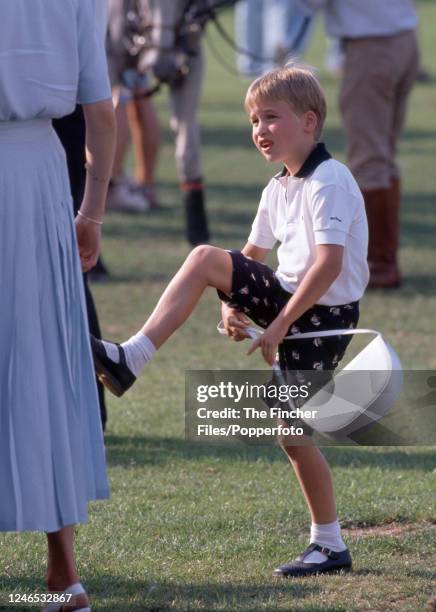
x,y
256,291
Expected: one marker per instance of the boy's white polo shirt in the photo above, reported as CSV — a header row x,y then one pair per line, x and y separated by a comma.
x,y
320,204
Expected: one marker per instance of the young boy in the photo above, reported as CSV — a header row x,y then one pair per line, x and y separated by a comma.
x,y
315,210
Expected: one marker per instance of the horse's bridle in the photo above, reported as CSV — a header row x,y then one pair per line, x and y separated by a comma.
x,y
139,37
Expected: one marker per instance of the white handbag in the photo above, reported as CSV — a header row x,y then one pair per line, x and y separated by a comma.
x,y
360,394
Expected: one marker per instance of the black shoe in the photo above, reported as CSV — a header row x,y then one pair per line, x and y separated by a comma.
x,y
117,377
335,562
196,220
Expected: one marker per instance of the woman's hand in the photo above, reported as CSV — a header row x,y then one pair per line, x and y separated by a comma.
x,y
269,340
88,239
235,323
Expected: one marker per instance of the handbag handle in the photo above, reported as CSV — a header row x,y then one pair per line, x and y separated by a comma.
x,y
255,332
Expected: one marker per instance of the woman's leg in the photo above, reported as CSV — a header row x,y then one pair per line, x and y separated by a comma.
x,y
121,195
123,140
145,130
61,571
205,266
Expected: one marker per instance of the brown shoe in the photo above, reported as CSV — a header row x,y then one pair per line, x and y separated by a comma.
x,y
383,213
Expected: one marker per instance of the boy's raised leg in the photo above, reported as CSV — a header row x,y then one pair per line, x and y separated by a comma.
x,y
118,365
205,266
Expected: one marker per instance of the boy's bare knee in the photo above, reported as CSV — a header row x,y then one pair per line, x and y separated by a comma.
x,y
205,256
213,265
202,250
202,254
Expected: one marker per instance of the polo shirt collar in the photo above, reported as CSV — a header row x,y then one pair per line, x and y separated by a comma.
x,y
317,156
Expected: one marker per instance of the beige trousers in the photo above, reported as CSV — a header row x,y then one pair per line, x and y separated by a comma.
x,y
379,73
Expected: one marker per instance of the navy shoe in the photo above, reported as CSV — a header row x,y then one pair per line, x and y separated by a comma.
x,y
335,562
117,377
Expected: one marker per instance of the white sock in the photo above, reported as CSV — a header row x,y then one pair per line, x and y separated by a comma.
x,y
328,535
138,350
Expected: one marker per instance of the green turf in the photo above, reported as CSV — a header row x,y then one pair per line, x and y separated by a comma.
x,y
200,528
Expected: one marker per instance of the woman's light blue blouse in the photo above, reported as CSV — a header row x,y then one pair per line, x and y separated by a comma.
x,y
51,57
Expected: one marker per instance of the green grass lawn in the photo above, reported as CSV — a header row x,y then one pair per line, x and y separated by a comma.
x,y
199,527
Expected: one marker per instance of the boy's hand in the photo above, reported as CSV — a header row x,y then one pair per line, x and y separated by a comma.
x,y
269,341
235,323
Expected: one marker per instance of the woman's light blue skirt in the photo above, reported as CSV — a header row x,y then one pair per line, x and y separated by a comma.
x,y
51,444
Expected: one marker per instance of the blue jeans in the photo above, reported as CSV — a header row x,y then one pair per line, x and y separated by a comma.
x,y
272,30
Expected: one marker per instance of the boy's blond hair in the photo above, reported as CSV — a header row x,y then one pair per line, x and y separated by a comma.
x,y
295,84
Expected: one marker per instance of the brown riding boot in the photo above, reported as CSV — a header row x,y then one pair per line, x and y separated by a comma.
x,y
383,213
